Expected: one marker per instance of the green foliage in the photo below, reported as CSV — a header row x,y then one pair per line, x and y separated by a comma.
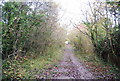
x,y
107,44
12,68
19,27
103,29
28,37
27,67
15,27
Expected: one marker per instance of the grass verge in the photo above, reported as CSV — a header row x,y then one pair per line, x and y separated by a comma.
x,y
34,66
99,68
27,67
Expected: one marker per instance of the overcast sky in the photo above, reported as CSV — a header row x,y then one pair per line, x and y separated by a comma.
x,y
70,12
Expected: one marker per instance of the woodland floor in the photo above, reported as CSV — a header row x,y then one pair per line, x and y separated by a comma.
x,y
68,68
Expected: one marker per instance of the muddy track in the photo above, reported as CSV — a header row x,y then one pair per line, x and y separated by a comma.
x,y
68,68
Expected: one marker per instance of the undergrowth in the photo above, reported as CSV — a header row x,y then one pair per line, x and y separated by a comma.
x,y
97,66
27,67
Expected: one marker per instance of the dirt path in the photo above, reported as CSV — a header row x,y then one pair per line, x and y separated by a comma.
x,y
68,68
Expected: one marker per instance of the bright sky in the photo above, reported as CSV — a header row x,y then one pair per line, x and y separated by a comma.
x,y
70,11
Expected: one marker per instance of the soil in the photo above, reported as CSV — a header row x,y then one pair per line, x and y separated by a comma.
x,y
68,68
